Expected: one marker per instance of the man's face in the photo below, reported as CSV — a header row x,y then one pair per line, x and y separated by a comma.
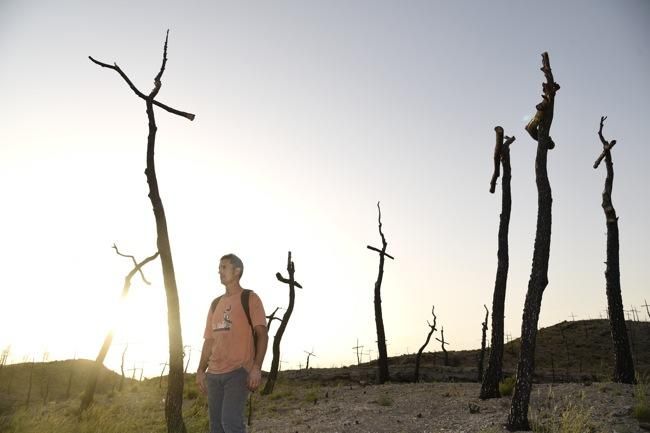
x,y
227,272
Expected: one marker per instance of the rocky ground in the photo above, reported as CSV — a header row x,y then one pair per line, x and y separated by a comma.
x,y
441,407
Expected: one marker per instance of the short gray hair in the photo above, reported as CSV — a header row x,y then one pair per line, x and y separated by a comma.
x,y
236,262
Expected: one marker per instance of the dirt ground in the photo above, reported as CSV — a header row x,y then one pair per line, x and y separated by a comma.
x,y
440,407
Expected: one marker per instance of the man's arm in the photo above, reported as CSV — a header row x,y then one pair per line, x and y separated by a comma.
x,y
255,375
203,364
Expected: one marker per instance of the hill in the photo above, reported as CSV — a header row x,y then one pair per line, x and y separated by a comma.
x,y
576,351
50,381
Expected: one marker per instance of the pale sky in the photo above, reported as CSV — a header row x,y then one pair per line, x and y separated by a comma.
x,y
308,113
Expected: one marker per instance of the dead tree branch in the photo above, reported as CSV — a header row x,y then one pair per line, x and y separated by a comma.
x,y
379,321
432,329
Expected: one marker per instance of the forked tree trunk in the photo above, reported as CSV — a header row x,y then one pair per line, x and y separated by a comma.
x,y
91,383
275,362
518,418
623,365
432,329
379,319
174,399
494,372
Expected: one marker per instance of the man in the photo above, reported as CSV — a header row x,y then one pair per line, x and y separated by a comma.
x,y
231,358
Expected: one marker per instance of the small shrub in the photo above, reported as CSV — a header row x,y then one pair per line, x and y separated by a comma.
x,y
506,386
641,413
641,409
385,400
311,396
191,394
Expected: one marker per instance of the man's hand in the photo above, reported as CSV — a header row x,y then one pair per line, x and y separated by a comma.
x,y
200,381
254,378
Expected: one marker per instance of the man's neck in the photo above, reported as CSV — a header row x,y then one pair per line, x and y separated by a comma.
x,y
233,289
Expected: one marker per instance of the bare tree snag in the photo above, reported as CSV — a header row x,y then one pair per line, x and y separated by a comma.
x,y
443,343
379,320
518,418
356,348
122,368
271,317
174,399
494,373
481,357
91,383
647,307
275,363
432,329
623,363
309,354
165,364
189,356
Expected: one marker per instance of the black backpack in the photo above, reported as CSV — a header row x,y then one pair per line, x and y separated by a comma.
x,y
245,303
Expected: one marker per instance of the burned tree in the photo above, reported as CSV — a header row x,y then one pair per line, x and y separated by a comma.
x,y
481,358
271,317
189,357
539,128
122,369
443,343
432,329
623,364
356,348
493,374
379,320
91,383
275,363
309,354
174,399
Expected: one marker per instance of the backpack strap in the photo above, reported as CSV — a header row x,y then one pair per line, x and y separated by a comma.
x,y
245,302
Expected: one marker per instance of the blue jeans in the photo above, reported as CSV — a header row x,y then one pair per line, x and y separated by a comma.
x,y
227,394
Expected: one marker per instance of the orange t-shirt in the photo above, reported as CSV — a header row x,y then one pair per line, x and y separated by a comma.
x,y
231,335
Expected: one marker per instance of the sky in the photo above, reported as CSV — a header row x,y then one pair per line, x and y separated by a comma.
x,y
307,115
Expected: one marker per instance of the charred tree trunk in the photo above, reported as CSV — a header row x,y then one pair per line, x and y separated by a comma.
x,y
275,363
540,131
174,399
623,365
481,357
443,343
122,369
379,320
494,373
271,318
432,329
91,384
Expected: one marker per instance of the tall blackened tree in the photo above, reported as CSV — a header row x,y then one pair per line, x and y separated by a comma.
x,y
432,329
275,363
379,319
623,365
444,343
539,128
91,383
493,374
174,399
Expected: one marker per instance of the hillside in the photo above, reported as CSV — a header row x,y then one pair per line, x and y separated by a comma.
x,y
566,352
51,381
